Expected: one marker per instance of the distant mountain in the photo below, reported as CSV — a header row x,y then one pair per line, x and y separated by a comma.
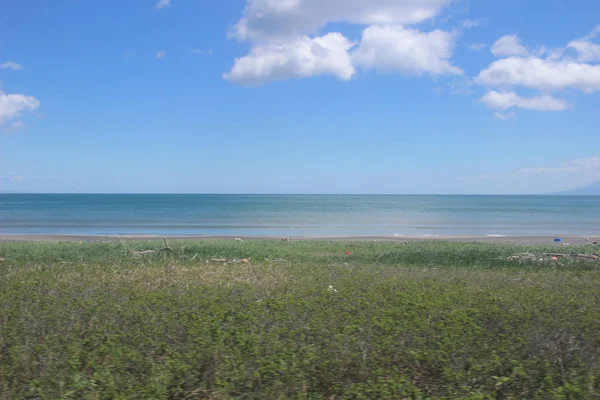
x,y
589,190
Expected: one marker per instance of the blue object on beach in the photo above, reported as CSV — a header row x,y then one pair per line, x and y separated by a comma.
x,y
557,239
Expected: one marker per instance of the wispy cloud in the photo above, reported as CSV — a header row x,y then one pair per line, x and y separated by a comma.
x,y
17,179
201,52
11,65
161,54
505,116
163,4
542,179
473,23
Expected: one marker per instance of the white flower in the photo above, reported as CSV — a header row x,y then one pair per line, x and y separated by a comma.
x,y
331,289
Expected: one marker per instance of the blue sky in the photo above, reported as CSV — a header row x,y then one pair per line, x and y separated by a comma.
x,y
299,96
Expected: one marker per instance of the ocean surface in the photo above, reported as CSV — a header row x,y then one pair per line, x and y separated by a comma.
x,y
299,215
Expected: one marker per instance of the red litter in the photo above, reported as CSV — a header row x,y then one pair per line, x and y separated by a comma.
x,y
347,253
555,258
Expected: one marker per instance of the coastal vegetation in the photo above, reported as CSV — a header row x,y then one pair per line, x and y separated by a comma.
x,y
297,320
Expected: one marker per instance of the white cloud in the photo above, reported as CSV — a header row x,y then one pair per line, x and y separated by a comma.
x,y
473,23
587,51
505,116
163,4
545,70
541,74
478,46
298,58
509,46
280,18
11,65
282,31
507,100
12,105
161,54
201,52
408,51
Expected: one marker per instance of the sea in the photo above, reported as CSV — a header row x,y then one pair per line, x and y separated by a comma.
x,y
299,215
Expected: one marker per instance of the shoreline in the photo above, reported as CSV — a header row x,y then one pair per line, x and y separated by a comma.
x,y
522,240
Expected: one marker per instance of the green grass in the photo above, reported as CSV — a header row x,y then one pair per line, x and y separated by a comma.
x,y
415,321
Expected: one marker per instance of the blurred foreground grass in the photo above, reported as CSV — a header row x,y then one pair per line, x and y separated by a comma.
x,y
300,320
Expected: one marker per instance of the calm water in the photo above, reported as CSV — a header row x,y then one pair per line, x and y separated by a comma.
x,y
299,215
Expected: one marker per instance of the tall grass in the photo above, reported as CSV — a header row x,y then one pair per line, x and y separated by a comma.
x,y
300,320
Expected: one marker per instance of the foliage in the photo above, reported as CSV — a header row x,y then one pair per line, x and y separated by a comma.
x,y
404,321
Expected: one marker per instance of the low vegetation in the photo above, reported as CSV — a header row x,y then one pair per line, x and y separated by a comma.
x,y
298,320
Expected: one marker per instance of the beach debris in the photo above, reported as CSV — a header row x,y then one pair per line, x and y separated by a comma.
x,y
230,261
331,289
137,253
551,256
196,255
239,240
347,253
167,247
142,253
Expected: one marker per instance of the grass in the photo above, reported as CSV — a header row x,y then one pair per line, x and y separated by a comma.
x,y
400,321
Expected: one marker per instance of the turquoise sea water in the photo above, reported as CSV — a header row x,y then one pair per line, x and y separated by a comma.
x,y
299,215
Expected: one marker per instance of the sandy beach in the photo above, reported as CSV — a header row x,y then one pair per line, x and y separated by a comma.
x,y
522,240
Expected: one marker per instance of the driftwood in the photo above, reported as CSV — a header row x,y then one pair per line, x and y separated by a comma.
x,y
142,253
147,252
551,256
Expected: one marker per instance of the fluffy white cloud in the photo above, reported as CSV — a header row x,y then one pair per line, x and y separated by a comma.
x,y
161,54
12,105
477,46
298,58
11,65
506,100
508,46
408,51
277,18
283,45
541,74
163,4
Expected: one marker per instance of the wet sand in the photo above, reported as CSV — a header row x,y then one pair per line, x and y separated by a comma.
x,y
522,240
